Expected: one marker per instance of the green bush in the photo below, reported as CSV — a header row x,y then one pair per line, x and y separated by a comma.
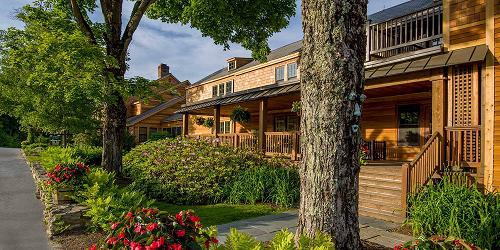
x,y
87,139
458,211
183,171
105,200
159,136
277,185
64,155
33,149
283,240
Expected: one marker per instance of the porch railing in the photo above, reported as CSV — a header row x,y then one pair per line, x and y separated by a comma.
x,y
419,171
417,31
463,146
377,150
282,143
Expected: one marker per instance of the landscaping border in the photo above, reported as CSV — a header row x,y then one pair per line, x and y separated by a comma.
x,y
58,218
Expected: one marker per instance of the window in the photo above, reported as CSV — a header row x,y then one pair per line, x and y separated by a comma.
x,y
215,91
143,134
286,123
280,74
221,89
229,87
225,127
174,131
291,71
231,65
409,129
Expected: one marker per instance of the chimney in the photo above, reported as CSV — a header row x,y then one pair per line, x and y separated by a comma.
x,y
163,70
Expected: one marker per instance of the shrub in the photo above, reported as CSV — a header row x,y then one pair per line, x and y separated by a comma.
x,y
457,211
87,139
33,149
70,175
436,243
105,200
146,229
277,185
159,136
281,241
184,171
69,155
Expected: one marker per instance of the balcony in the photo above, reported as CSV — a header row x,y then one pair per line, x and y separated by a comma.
x,y
411,35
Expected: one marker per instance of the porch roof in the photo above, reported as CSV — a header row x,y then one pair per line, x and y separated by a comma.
x,y
455,57
243,96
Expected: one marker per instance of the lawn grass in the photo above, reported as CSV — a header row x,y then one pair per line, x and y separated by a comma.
x,y
221,213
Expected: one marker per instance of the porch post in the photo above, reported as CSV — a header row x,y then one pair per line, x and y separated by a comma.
x,y
216,120
439,113
439,105
262,124
185,124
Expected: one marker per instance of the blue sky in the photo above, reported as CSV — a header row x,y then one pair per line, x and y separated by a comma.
x,y
189,55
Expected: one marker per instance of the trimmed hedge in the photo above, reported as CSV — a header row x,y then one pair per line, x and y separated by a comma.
x,y
185,171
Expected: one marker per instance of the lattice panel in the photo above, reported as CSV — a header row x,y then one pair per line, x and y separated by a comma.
x,y
462,94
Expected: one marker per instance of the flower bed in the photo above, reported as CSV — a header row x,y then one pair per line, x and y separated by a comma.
x,y
147,229
437,243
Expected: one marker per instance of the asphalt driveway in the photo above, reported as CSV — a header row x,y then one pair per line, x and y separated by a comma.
x,y
20,212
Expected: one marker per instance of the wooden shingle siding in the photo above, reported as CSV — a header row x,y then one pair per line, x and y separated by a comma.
x,y
467,21
496,136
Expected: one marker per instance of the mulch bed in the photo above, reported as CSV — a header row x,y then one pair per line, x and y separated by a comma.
x,y
77,239
405,229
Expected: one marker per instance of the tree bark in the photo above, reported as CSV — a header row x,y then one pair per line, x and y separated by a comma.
x,y
113,129
332,73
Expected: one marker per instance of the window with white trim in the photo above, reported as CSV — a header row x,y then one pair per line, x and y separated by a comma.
x,y
291,71
280,73
225,127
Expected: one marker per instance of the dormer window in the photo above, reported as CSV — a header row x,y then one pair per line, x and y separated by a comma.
x,y
223,88
231,65
280,74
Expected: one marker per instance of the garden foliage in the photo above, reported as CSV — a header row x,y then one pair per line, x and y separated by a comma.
x,y
69,175
52,156
184,171
457,211
436,243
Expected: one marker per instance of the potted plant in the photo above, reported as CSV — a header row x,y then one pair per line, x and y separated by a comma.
x,y
296,107
63,179
209,122
240,115
200,121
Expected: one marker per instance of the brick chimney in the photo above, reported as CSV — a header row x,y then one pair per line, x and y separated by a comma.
x,y
163,70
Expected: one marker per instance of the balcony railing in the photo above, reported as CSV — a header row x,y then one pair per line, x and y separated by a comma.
x,y
408,34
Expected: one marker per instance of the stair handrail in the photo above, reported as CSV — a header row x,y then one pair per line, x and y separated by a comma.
x,y
418,172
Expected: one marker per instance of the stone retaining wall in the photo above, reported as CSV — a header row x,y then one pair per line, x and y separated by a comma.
x,y
58,217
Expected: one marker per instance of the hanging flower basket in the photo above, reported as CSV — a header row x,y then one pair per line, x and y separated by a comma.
x,y
240,115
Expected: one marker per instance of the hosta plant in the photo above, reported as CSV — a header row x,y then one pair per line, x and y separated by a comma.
x,y
67,176
147,229
437,243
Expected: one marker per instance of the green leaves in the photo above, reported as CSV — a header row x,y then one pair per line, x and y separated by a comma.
x,y
249,23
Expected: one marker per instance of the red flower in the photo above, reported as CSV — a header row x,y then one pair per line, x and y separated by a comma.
x,y
152,226
93,247
135,246
111,241
181,233
397,247
126,242
129,215
121,235
49,182
179,219
214,240
161,241
114,225
194,218
456,242
57,168
58,180
175,246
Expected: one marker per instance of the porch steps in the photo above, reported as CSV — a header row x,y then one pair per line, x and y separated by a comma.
x,y
380,193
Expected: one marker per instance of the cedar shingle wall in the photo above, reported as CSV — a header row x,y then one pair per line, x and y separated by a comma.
x,y
496,154
253,79
467,21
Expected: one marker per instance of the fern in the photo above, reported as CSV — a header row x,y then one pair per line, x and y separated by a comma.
x,y
241,241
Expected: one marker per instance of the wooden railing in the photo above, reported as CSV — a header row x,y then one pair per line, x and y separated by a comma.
x,y
413,32
377,150
418,172
282,144
463,146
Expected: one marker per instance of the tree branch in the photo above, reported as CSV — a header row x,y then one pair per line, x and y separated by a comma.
x,y
140,8
84,26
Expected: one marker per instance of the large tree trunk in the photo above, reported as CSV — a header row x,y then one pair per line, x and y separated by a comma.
x,y
331,83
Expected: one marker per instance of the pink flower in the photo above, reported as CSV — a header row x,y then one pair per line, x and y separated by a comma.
x,y
135,246
129,215
126,242
175,246
137,228
58,180
114,225
181,233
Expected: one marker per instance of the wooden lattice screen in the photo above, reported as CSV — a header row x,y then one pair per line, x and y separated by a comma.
x,y
463,120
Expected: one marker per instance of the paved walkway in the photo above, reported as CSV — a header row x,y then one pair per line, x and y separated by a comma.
x,y
20,212
264,228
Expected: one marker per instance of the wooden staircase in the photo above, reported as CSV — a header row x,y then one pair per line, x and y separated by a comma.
x,y
380,190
